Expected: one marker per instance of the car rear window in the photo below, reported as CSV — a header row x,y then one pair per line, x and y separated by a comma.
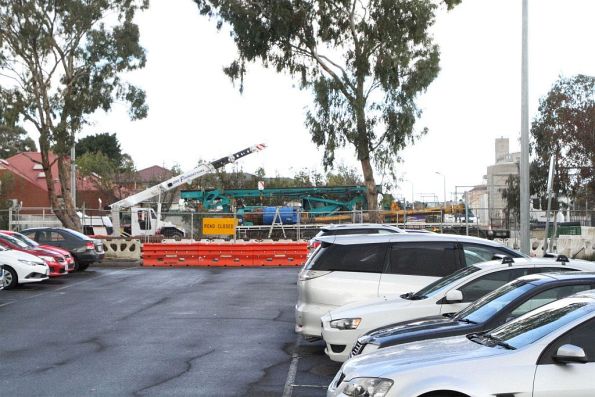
x,y
349,258
434,259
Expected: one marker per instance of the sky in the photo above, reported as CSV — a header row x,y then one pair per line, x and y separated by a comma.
x,y
196,113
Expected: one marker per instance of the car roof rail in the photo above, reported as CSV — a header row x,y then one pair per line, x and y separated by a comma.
x,y
562,258
507,259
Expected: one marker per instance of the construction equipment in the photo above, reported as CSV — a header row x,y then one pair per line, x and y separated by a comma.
x,y
144,221
316,202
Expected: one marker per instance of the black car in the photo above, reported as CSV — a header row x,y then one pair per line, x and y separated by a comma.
x,y
492,310
84,249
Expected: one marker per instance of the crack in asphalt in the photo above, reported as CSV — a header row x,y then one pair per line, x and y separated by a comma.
x,y
95,342
188,364
144,308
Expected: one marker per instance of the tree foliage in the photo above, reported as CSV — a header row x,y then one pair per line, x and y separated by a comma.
x,y
105,143
65,60
365,63
14,140
565,128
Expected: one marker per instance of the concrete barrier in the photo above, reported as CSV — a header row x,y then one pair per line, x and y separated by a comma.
x,y
578,247
121,248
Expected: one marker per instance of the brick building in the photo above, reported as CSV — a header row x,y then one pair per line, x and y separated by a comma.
x,y
27,183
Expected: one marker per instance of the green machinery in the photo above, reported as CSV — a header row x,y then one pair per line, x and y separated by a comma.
x,y
317,201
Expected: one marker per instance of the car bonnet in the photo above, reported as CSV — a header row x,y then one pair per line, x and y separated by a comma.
x,y
386,362
378,305
423,328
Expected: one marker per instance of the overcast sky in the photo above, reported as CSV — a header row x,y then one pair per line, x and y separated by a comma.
x,y
196,113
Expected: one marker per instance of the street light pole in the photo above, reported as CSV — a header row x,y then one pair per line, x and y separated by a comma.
x,y
524,177
444,191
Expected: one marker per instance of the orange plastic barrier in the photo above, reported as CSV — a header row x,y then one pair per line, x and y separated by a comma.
x,y
224,254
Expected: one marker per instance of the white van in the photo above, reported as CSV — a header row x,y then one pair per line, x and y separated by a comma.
x,y
346,269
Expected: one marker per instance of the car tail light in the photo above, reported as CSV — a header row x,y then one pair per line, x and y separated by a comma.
x,y
314,245
90,245
310,274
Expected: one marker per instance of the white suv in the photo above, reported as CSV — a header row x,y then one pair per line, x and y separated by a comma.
x,y
352,228
450,294
544,353
354,268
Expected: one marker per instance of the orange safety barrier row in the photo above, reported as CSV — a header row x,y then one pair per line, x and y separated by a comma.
x,y
226,254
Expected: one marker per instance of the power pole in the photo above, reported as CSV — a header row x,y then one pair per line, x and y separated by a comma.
x,y
524,177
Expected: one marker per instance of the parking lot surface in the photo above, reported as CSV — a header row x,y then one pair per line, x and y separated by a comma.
x,y
159,332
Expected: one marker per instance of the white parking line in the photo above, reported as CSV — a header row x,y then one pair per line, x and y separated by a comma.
x,y
293,367
67,286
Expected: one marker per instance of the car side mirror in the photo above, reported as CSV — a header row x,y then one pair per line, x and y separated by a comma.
x,y
453,296
570,354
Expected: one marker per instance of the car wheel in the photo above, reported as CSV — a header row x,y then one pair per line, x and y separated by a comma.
x,y
11,279
83,266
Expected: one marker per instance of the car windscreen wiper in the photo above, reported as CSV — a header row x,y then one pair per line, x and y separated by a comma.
x,y
466,320
449,315
499,342
485,339
408,295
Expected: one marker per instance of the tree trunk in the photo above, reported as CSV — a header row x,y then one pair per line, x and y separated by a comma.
x,y
61,206
372,195
362,144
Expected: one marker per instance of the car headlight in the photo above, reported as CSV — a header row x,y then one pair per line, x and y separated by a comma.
x,y
368,387
47,258
346,323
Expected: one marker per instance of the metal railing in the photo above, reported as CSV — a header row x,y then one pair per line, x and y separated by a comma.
x,y
303,225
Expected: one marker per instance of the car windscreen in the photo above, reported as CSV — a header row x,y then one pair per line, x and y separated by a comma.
x,y
25,239
444,282
541,322
13,241
484,308
348,258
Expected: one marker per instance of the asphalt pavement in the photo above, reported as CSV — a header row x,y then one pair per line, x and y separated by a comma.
x,y
159,332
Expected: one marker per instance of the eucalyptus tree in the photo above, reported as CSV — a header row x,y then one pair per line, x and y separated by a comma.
x,y
365,61
564,128
60,62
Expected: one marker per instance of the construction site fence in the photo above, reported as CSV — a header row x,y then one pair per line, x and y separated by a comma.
x,y
224,254
305,225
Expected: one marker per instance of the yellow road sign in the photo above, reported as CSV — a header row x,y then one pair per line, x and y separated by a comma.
x,y
211,226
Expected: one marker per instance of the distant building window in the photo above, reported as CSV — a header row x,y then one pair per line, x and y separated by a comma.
x,y
41,175
37,167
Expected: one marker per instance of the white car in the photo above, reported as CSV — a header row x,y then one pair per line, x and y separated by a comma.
x,y
450,294
22,268
545,353
346,269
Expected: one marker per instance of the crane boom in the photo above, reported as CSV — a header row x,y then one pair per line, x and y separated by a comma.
x,y
186,177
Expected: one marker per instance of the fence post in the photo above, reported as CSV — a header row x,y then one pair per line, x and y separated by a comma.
x,y
192,225
10,218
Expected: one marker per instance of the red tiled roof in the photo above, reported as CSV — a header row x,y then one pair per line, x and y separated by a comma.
x,y
153,174
28,166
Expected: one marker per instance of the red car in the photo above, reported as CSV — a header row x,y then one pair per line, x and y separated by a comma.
x,y
31,243
55,261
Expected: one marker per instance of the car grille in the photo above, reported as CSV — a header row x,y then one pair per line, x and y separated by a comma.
x,y
357,349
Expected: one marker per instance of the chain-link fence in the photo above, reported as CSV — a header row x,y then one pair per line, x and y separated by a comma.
x,y
290,223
